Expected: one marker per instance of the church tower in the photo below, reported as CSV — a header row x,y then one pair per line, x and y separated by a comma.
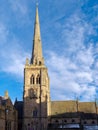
x,y
36,95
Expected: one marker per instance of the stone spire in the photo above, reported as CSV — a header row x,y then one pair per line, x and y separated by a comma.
x,y
37,56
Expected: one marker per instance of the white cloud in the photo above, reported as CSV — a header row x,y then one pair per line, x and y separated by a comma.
x,y
68,80
14,63
12,55
72,74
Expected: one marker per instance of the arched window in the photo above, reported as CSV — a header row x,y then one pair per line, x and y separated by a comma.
x,y
35,113
38,80
32,79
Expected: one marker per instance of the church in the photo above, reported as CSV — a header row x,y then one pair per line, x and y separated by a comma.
x,y
37,111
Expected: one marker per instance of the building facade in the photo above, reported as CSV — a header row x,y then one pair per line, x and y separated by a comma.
x,y
8,114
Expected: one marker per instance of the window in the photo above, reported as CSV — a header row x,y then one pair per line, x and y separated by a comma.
x,y
32,79
35,112
85,122
40,63
38,80
93,122
57,121
65,121
8,125
73,121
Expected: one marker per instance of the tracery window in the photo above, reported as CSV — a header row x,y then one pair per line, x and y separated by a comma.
x,y
38,79
32,79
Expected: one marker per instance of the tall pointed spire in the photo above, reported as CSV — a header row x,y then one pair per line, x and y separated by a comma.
x,y
37,57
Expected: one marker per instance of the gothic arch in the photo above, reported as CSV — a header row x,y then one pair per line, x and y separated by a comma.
x,y
32,79
38,79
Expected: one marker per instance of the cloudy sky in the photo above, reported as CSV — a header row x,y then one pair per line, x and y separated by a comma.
x,y
69,32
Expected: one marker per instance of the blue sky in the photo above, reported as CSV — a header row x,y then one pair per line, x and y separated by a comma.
x,y
69,32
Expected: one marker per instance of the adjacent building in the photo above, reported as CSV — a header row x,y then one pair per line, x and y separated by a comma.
x,y
8,114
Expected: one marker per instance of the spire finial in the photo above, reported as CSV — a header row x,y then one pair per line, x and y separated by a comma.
x,y
6,96
37,4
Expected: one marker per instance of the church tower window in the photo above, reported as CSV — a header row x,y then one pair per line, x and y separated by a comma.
x,y
40,63
32,79
38,80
